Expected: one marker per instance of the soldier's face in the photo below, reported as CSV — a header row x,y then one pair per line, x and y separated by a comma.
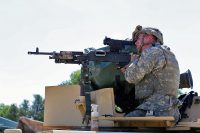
x,y
144,40
139,41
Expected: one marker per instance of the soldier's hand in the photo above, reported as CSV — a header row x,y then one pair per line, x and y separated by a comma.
x,y
123,69
134,57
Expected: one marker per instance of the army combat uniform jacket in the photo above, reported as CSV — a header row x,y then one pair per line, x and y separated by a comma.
x,y
156,77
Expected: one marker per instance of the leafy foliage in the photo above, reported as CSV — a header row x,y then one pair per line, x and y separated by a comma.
x,y
24,109
37,109
13,112
4,110
74,78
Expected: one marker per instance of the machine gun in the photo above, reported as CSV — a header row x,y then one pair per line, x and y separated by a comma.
x,y
114,54
118,52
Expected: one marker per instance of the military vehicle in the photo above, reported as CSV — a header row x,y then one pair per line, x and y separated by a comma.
x,y
100,69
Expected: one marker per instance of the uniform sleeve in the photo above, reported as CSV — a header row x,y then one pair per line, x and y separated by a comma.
x,y
150,59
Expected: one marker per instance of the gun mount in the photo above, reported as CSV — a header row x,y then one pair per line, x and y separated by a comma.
x,y
118,52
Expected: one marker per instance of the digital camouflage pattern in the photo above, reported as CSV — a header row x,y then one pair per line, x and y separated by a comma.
x,y
148,30
155,32
156,77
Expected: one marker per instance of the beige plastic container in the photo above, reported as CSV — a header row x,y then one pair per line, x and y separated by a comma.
x,y
12,131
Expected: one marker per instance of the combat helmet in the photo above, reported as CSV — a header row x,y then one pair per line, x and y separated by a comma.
x,y
149,30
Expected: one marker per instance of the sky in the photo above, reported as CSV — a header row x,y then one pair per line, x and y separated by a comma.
x,y
73,25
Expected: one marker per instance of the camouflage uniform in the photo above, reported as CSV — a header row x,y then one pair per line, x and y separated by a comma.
x,y
156,77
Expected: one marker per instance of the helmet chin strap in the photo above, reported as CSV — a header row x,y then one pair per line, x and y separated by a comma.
x,y
141,46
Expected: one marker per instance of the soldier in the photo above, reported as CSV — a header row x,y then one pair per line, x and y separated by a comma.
x,y
155,73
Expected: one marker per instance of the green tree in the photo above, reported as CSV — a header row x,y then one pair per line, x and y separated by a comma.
x,y
74,78
4,109
66,82
24,108
37,108
13,112
35,111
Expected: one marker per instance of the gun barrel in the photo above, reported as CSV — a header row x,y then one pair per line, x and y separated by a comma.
x,y
40,53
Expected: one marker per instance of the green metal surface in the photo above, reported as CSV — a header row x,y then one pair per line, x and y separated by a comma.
x,y
103,74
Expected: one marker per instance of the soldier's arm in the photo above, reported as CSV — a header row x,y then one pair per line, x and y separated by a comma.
x,y
150,59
